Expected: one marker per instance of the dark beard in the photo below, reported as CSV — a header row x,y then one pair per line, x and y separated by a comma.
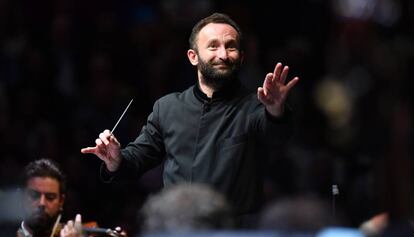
x,y
215,78
40,222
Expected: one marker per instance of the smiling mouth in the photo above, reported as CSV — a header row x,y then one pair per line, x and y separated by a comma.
x,y
224,66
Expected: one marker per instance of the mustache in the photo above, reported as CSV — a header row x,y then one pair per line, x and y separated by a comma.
x,y
39,214
226,63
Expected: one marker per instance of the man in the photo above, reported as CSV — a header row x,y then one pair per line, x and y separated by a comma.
x,y
44,198
212,132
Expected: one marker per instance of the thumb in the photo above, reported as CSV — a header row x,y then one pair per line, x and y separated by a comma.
x,y
78,218
88,150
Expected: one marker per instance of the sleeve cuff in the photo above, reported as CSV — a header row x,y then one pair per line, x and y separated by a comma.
x,y
108,176
286,116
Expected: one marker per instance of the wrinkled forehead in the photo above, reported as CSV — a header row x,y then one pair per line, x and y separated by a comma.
x,y
43,185
218,31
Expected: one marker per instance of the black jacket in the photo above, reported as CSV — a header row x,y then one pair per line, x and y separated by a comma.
x,y
214,141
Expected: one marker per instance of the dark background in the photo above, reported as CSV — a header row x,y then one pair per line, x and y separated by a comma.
x,y
68,68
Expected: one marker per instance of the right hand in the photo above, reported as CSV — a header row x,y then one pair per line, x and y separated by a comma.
x,y
108,149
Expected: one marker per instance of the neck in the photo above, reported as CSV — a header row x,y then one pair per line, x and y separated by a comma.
x,y
208,90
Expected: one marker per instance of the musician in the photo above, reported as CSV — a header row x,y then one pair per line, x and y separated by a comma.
x,y
44,196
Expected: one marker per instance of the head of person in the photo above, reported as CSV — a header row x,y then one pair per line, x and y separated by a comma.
x,y
44,196
186,208
297,215
216,50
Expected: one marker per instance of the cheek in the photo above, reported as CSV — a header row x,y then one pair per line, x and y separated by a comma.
x,y
235,56
207,55
53,207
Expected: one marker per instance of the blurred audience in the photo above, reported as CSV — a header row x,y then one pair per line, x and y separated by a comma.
x,y
297,215
186,208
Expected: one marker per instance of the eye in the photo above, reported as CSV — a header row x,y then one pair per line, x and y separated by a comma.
x,y
232,46
212,46
50,196
33,195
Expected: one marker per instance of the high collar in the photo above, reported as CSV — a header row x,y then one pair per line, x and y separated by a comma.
x,y
224,93
24,230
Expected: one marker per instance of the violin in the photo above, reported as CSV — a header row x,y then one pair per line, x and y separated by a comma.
x,y
91,229
94,230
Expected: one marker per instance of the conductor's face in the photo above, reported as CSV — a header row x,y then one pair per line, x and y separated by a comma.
x,y
43,202
218,55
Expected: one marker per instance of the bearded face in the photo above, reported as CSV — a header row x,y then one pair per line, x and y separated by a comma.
x,y
217,74
43,204
39,221
217,55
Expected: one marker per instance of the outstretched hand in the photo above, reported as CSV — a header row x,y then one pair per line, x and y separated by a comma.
x,y
108,149
274,91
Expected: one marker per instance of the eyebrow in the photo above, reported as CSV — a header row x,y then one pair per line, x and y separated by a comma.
x,y
46,193
229,41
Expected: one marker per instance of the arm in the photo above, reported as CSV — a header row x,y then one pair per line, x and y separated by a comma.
x,y
145,152
148,150
276,125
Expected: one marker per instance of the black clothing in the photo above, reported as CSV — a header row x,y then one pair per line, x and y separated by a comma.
x,y
214,141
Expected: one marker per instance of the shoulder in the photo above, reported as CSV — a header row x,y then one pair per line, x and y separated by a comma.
x,y
175,97
174,100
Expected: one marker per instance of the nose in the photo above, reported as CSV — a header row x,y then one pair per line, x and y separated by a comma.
x,y
42,200
222,53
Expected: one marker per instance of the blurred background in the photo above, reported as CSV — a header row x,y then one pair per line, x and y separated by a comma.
x,y
68,68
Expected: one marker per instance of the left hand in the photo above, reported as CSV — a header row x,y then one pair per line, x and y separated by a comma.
x,y
274,91
72,229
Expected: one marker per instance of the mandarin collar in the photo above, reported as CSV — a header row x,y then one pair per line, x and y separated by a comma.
x,y
224,93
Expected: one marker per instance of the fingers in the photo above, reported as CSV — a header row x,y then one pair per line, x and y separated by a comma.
x,y
72,229
103,140
88,150
104,136
280,73
78,218
113,139
277,71
284,74
268,83
292,83
68,229
274,90
78,223
262,96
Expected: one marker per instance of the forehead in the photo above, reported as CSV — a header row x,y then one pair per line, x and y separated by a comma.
x,y
217,31
43,184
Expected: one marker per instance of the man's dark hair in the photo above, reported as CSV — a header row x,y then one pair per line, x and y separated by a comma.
x,y
45,168
214,18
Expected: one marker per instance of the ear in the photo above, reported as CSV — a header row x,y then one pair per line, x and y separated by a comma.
x,y
192,56
62,201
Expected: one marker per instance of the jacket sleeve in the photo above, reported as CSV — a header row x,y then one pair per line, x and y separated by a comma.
x,y
145,152
148,150
272,131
